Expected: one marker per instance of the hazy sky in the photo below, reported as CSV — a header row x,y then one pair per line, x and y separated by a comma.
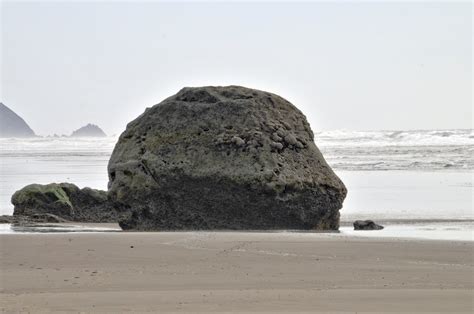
x,y
347,65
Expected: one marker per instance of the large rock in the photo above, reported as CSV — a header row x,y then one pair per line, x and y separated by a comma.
x,y
90,130
64,200
223,158
12,125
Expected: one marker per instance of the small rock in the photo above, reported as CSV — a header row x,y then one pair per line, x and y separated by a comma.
x,y
276,137
276,146
366,225
299,144
238,141
286,125
281,132
291,139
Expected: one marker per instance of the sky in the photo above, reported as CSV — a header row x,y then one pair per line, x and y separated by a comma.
x,y
346,65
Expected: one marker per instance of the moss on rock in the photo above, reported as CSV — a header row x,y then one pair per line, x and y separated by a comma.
x,y
64,200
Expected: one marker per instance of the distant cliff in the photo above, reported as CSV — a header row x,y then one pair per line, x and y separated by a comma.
x,y
12,125
90,130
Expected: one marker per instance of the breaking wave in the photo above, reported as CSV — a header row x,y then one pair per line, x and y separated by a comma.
x,y
398,150
343,149
397,138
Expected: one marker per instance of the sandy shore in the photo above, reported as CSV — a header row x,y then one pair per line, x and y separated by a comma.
x,y
231,271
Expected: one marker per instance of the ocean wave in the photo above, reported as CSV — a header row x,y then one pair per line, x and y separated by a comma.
x,y
345,150
57,144
397,138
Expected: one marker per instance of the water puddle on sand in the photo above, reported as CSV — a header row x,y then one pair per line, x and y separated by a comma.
x,y
452,231
52,228
439,230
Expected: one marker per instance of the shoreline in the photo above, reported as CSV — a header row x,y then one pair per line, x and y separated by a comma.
x,y
343,222
439,230
233,271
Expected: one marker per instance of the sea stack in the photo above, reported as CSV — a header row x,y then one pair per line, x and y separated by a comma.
x,y
12,125
90,130
223,158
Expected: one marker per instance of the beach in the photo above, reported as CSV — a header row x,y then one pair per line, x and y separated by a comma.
x,y
422,261
236,157
233,271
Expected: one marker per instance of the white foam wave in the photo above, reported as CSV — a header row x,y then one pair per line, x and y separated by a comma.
x,y
343,149
57,144
398,138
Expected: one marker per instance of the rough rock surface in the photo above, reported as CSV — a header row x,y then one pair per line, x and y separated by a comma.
x,y
35,218
223,158
366,225
12,125
66,201
90,130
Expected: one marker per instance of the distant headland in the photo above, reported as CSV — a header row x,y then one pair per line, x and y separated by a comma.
x,y
12,125
90,130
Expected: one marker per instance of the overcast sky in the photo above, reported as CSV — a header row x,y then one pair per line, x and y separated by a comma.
x,y
345,65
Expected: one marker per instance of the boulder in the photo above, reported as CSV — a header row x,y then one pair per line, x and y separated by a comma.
x,y
64,200
366,225
223,158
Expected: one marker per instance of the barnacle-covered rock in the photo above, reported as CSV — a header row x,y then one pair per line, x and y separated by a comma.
x,y
223,158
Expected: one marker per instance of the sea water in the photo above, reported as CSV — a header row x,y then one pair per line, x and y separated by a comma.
x,y
411,176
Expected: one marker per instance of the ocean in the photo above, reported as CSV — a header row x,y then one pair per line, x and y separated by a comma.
x,y
416,175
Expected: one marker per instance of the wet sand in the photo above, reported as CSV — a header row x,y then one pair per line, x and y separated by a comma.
x,y
232,271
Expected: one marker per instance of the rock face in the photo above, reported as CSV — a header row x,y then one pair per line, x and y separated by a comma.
x,y
90,130
366,225
12,125
223,158
64,200
35,218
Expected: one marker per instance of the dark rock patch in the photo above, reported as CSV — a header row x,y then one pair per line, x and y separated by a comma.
x,y
366,225
35,218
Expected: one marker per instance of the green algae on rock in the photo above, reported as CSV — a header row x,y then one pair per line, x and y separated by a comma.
x,y
64,200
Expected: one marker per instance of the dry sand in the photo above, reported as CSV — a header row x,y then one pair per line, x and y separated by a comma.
x,y
232,271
